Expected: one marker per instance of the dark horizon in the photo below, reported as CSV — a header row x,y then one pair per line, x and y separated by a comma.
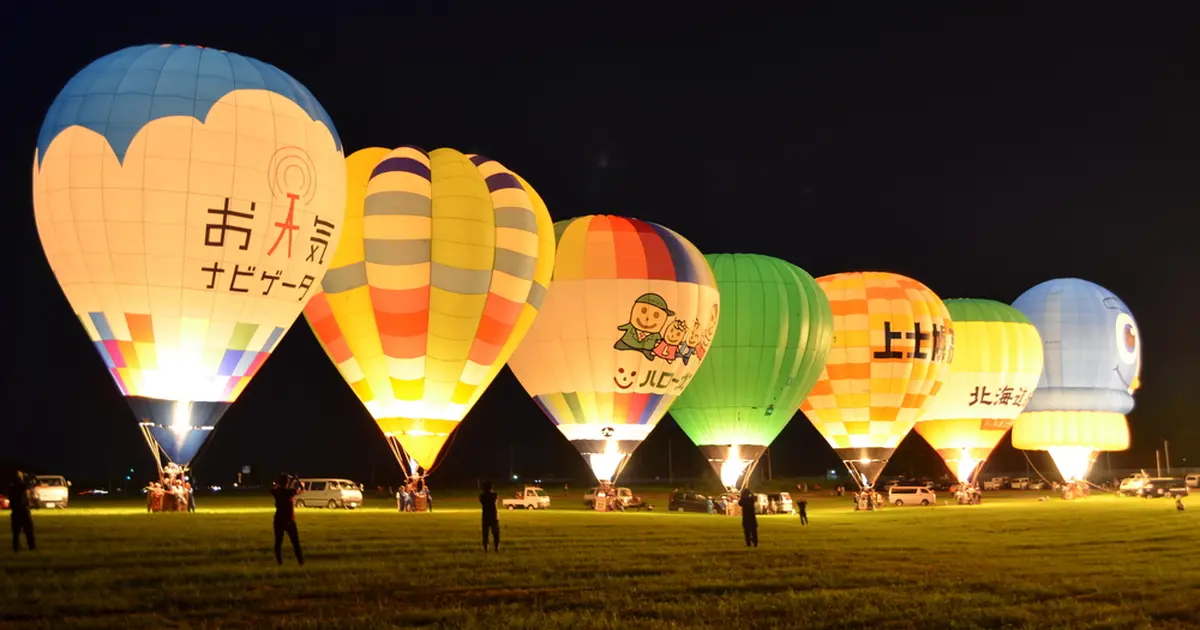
x,y
979,154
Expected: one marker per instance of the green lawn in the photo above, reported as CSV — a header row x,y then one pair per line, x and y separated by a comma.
x,y
1012,562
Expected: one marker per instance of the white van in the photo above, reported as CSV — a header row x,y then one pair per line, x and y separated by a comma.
x,y
330,493
901,496
1193,480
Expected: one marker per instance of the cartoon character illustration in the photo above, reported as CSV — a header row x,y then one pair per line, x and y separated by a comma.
x,y
709,332
673,335
646,319
688,348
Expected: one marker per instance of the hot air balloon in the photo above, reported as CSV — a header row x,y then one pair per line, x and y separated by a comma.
x,y
189,201
764,359
1093,358
443,266
892,341
628,319
997,363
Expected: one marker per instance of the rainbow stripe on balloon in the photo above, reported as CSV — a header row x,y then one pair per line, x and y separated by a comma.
x,y
229,364
620,248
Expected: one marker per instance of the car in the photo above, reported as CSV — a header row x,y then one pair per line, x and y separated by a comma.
x,y
1193,480
1164,487
1038,484
996,483
1019,483
901,496
781,502
330,493
624,495
689,502
50,491
1131,486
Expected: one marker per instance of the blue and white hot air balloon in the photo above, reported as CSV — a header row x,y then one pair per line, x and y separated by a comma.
x,y
1093,357
189,201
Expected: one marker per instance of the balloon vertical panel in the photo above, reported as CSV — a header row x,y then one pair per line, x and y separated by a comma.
x,y
436,288
189,201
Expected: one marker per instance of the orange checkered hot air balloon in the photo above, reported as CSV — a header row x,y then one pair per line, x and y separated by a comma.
x,y
441,270
892,341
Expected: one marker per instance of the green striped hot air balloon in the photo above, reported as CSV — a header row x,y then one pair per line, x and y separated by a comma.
x,y
775,333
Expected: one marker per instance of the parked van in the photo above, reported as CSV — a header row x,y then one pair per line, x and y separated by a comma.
x,y
781,502
330,493
1193,480
901,496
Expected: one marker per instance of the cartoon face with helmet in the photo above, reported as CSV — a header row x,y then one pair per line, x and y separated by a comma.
x,y
643,332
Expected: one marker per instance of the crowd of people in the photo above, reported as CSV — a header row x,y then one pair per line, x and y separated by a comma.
x,y
414,496
172,493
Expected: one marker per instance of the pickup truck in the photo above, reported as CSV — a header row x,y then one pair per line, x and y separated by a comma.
x,y
530,498
50,491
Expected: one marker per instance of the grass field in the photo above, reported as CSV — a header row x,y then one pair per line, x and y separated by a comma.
x,y
1012,562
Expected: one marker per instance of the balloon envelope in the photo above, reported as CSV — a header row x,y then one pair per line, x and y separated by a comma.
x,y
441,271
997,364
628,319
1093,355
766,356
188,201
892,340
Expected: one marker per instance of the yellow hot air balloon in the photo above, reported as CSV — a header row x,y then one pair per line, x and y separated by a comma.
x,y
444,262
997,363
892,340
188,200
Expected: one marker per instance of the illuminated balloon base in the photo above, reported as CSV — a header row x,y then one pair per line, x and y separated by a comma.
x,y
965,463
733,463
1073,462
176,429
607,458
865,464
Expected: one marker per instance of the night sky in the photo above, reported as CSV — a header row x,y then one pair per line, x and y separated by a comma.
x,y
978,153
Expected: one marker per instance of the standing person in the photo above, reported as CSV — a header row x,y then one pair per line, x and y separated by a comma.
x,y
285,490
22,519
191,496
749,519
491,520
803,512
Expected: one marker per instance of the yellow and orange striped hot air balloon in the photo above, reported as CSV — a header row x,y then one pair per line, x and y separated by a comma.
x,y
444,261
892,340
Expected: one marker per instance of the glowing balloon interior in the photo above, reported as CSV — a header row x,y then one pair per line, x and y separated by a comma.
x,y
1093,355
766,356
997,364
628,319
188,201
892,339
444,263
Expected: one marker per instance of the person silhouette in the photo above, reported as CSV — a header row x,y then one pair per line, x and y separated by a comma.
x,y
749,518
285,490
491,520
22,518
